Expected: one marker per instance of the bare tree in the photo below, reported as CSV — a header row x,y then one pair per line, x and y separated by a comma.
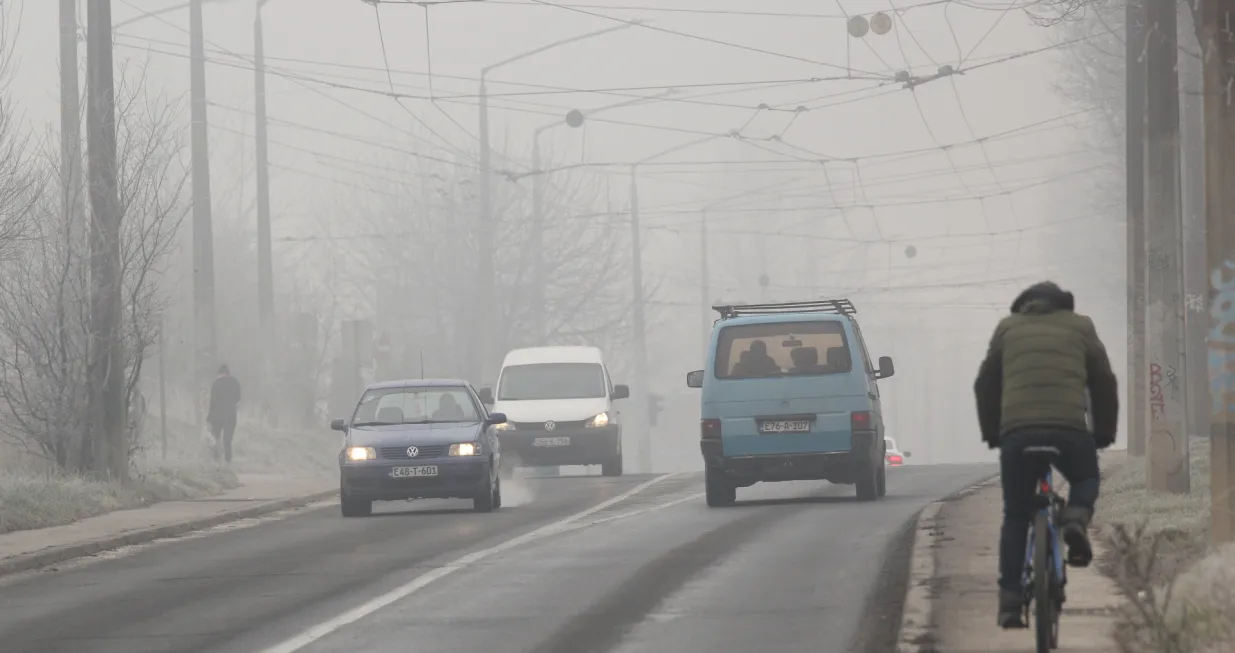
x,y
45,287
19,183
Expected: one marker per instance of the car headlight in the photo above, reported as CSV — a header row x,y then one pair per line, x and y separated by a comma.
x,y
598,421
361,453
465,449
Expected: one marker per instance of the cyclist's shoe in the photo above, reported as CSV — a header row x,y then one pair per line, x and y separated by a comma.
x,y
1074,522
1011,609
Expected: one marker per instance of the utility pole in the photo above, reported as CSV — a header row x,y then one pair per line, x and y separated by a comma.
x,y
538,246
1168,434
73,203
1219,74
106,361
705,283
486,269
163,384
203,229
265,271
1138,407
1196,271
639,397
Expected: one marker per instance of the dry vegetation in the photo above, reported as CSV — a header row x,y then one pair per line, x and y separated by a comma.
x,y
1181,593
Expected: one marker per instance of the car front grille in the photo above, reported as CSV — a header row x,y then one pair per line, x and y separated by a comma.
x,y
427,451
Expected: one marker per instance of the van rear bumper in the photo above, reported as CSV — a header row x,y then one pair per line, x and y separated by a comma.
x,y
836,467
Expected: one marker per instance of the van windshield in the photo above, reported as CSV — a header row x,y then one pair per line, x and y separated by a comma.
x,y
750,351
552,381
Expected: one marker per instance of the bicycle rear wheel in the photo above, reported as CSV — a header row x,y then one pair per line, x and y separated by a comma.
x,y
1043,598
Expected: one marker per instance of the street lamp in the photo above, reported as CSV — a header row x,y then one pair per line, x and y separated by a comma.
x,y
488,280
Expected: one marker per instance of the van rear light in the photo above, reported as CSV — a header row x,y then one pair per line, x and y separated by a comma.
x,y
709,429
895,460
860,420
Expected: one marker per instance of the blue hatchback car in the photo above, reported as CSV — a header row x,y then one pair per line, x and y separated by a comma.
x,y
789,394
424,438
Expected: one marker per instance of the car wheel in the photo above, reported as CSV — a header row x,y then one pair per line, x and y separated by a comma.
x,y
612,467
719,491
882,481
486,500
497,494
354,507
868,485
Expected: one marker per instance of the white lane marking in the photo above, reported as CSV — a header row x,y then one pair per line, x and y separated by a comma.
x,y
323,629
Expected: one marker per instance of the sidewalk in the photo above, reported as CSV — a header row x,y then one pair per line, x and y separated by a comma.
x,y
964,536
258,494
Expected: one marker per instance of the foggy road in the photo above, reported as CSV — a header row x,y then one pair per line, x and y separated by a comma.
x,y
792,567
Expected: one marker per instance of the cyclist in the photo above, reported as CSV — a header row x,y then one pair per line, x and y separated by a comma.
x,y
1045,376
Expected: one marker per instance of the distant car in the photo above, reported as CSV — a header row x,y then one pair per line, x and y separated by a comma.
x,y
419,439
893,455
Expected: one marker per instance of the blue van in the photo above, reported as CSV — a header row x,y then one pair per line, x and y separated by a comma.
x,y
790,394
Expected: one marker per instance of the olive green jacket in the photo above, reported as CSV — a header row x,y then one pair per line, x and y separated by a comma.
x,y
1046,367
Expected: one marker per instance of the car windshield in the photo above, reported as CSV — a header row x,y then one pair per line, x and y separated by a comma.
x,y
415,405
552,381
749,351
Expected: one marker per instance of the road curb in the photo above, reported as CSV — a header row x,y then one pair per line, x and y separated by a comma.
x,y
54,555
918,624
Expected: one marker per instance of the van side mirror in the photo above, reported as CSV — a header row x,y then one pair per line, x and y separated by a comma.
x,y
886,368
906,454
486,396
620,392
338,424
496,418
694,379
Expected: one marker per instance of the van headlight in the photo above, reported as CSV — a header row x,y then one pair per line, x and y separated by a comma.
x,y
465,449
598,421
507,426
355,454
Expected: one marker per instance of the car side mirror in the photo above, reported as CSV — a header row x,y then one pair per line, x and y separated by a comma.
x,y
338,424
496,418
694,379
620,392
486,396
886,368
906,454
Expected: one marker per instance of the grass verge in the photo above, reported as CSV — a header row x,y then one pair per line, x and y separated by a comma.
x,y
1181,593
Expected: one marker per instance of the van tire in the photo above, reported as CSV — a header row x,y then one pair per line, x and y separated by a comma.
x,y
882,481
612,467
353,507
868,485
719,491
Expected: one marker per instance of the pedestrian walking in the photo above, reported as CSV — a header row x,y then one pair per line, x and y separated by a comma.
x,y
221,417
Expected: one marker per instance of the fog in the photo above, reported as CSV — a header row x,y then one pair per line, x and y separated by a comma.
x,y
816,172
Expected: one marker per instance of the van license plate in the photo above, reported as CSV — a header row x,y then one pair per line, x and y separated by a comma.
x,y
785,426
551,442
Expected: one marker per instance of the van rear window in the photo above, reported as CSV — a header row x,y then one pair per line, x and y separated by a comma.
x,y
782,349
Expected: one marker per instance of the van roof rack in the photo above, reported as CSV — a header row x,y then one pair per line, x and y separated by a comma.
x,y
835,306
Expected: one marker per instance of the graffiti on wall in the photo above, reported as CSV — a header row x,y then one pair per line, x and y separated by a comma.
x,y
1221,339
1157,402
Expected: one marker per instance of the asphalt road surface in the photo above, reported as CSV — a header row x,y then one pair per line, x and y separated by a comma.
x,y
590,565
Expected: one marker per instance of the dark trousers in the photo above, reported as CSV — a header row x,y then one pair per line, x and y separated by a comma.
x,y
223,428
1078,462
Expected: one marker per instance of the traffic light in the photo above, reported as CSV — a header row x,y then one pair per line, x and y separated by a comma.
x,y
654,408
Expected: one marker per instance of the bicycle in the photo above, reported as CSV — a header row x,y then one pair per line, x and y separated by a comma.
x,y
1044,592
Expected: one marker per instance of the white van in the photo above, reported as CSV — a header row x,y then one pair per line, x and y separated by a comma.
x,y
559,409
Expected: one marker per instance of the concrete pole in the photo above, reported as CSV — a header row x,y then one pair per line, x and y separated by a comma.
x,y
1137,406
705,285
1196,272
73,203
487,295
163,384
107,404
1219,71
538,247
203,229
639,393
1168,435
265,266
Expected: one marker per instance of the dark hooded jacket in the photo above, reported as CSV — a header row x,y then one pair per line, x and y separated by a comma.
x,y
1046,367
